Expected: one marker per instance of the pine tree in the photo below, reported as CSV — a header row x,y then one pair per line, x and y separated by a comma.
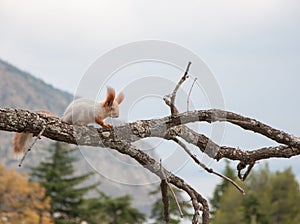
x,y
270,198
278,194
221,188
108,210
56,175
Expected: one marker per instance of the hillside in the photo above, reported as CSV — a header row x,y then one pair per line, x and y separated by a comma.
x,y
18,89
21,90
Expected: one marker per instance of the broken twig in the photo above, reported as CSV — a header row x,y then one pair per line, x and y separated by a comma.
x,y
30,147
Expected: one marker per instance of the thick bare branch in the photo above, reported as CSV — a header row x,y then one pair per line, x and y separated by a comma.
x,y
119,138
165,199
169,128
217,152
17,120
25,121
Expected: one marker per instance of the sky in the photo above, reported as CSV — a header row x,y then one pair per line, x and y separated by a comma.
x,y
251,47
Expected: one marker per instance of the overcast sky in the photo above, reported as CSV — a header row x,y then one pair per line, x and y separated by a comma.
x,y
252,47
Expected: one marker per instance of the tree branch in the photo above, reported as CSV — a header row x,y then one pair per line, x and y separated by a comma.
x,y
165,199
189,95
209,170
170,99
120,137
17,120
30,147
165,183
25,121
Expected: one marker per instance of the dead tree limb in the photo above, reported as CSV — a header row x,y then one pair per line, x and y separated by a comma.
x,y
30,147
172,96
170,101
169,128
165,199
17,120
164,190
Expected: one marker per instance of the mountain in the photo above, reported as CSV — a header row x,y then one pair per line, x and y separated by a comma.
x,y
117,173
18,89
21,90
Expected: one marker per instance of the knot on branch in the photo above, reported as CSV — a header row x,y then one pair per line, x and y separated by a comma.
x,y
243,165
172,133
141,129
172,128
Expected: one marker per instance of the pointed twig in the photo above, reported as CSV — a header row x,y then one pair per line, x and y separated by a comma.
x,y
176,200
170,99
209,170
170,187
189,95
30,147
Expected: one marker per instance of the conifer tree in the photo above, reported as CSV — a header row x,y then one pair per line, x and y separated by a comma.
x,y
270,198
107,210
221,188
56,175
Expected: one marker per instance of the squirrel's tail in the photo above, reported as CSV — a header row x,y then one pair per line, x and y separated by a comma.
x,y
21,139
20,142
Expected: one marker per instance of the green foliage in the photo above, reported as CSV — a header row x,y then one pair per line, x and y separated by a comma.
x,y
68,203
157,212
110,210
222,187
56,175
231,210
271,198
279,196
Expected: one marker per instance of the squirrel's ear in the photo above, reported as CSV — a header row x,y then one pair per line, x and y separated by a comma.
x,y
110,97
120,98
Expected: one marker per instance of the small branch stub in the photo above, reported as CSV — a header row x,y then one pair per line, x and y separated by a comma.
x,y
30,147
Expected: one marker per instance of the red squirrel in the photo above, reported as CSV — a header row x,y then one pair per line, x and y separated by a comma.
x,y
81,111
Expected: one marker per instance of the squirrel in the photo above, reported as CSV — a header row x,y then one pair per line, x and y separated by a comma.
x,y
81,111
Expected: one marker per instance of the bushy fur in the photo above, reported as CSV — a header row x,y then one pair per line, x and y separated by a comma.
x,y
86,111
21,140
20,143
80,112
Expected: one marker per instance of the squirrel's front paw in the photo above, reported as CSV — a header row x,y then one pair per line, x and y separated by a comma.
x,y
107,125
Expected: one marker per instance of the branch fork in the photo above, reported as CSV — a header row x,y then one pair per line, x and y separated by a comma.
x,y
120,138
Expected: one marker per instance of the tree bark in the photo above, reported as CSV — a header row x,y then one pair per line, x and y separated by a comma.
x,y
120,138
169,128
